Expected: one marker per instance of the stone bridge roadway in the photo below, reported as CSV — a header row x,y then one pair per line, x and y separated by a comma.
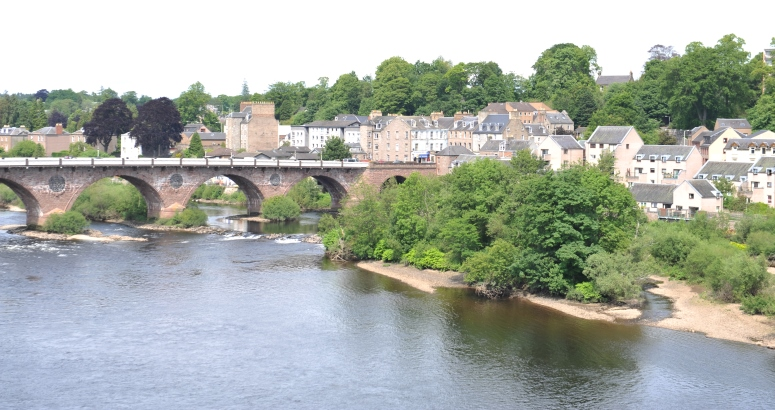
x,y
51,185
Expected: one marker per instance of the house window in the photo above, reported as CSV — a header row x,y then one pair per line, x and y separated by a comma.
x,y
653,204
593,146
565,151
691,196
651,170
627,146
756,184
769,184
769,199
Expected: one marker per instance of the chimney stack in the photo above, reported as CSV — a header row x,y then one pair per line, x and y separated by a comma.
x,y
59,128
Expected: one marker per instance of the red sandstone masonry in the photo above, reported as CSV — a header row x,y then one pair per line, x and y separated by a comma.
x,y
157,185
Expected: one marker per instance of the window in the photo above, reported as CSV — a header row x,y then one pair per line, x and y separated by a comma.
x,y
678,159
651,170
691,196
565,151
753,150
388,146
627,146
592,146
388,135
653,204
756,184
639,170
769,184
769,199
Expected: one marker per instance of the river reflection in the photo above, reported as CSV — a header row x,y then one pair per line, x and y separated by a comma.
x,y
206,321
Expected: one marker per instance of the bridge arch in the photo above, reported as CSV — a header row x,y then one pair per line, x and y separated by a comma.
x,y
333,187
152,197
252,193
31,203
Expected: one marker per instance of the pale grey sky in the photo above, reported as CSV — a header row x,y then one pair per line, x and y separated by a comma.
x,y
159,48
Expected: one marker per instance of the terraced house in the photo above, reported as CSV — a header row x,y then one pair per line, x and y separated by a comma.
x,y
664,164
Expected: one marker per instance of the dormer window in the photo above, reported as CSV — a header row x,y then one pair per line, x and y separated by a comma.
x,y
639,157
678,159
702,176
652,158
715,177
665,157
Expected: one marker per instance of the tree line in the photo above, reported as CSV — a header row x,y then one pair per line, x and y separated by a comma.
x,y
683,91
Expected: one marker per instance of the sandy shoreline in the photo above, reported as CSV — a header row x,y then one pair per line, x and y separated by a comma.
x,y
691,313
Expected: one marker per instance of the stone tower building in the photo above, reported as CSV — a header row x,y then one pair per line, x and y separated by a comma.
x,y
253,128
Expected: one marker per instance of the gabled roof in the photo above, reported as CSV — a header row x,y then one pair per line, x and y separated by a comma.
x,y
658,193
332,124
454,151
219,152
468,158
733,169
208,136
707,140
498,108
494,123
49,131
732,122
536,130
505,145
609,134
611,79
703,187
566,141
522,106
764,133
558,118
14,131
748,143
765,162
671,151
362,119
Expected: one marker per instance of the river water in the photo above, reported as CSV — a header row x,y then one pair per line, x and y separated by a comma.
x,y
189,321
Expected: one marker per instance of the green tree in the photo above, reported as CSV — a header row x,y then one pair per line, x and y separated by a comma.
x,y
192,104
280,208
27,148
111,119
392,86
195,148
335,150
560,69
708,82
762,115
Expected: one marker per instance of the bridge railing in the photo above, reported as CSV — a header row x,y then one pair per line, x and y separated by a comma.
x,y
194,162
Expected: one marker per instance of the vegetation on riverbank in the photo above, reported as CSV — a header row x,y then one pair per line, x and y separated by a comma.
x,y
111,199
211,192
190,217
70,223
309,195
573,232
9,198
280,208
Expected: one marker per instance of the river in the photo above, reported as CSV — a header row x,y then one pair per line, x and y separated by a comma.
x,y
204,321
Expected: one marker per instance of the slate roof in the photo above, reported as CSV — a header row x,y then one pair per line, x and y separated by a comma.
x,y
536,130
498,108
701,136
611,79
566,141
658,193
219,153
704,187
671,151
50,131
453,151
332,124
724,169
710,139
13,131
748,143
467,123
558,118
764,163
733,122
494,123
208,136
362,119
522,106
758,133
508,145
609,135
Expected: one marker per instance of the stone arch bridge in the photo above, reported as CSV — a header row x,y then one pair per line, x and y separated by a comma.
x,y
51,185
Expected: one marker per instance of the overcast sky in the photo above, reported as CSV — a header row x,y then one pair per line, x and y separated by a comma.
x,y
159,48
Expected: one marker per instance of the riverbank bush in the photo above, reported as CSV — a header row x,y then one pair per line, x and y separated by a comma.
x,y
280,208
70,223
309,195
110,199
8,197
190,217
212,192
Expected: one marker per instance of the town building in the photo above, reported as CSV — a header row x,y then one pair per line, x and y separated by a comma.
x,y
740,125
712,144
209,139
558,123
664,164
761,185
462,130
506,148
622,142
603,81
254,128
560,151
10,136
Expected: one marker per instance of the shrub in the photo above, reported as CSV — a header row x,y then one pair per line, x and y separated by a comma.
x,y
280,208
70,222
614,276
187,218
672,244
759,305
424,256
761,243
703,255
327,223
107,199
491,265
8,197
736,277
584,292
